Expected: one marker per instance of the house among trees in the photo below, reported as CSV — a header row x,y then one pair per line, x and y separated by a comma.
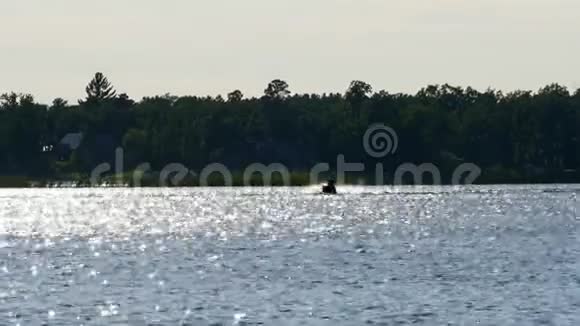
x,y
68,144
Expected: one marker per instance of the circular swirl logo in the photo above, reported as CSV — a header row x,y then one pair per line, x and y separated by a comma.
x,y
380,141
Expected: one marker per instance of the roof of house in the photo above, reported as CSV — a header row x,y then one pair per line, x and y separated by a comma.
x,y
72,140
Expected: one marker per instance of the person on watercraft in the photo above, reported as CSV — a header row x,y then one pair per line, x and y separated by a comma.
x,y
330,188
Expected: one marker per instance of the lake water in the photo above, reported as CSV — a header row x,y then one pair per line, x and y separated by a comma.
x,y
498,255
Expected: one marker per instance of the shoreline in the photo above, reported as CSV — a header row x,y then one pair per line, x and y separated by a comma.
x,y
20,182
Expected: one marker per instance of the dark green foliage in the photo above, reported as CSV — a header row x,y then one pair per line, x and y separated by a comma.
x,y
516,137
235,96
356,94
58,103
99,89
23,130
277,89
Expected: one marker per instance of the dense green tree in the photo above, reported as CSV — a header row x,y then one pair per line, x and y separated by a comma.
x,y
277,89
59,103
358,91
235,96
99,89
135,146
356,94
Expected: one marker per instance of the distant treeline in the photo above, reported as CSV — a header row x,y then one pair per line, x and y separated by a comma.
x,y
521,136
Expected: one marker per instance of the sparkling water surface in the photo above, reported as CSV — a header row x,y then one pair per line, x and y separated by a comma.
x,y
494,255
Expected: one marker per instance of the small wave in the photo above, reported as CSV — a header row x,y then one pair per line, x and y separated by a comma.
x,y
560,190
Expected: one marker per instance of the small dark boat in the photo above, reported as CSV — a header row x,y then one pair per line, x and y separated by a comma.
x,y
329,188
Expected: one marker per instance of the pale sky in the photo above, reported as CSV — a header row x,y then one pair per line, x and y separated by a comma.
x,y
51,48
